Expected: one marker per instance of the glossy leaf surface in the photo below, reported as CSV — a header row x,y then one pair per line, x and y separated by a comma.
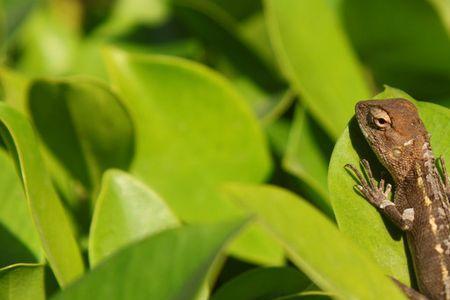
x,y
18,235
315,245
126,211
50,219
22,281
60,110
193,132
180,275
317,59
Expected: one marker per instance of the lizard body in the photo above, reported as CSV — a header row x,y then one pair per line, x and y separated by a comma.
x,y
421,207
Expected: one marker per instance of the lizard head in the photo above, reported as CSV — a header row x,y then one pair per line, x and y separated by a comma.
x,y
394,131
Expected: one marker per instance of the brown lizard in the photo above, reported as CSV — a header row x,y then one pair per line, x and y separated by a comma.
x,y
420,208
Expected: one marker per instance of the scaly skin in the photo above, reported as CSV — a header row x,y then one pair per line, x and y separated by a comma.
x,y
398,137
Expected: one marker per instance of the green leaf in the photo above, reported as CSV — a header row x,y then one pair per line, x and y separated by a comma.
x,y
203,294
267,107
48,214
442,7
22,281
310,295
308,153
60,110
126,211
417,60
263,283
89,54
15,88
145,270
316,58
127,14
315,245
213,25
16,93
391,92
255,32
48,46
12,15
193,132
239,9
277,106
278,136
18,237
357,218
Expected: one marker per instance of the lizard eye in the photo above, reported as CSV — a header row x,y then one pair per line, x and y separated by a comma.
x,y
380,122
380,118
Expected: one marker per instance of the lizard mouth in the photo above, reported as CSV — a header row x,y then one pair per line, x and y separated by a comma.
x,y
360,110
361,113
363,117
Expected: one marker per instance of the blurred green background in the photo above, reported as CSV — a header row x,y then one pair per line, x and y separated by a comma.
x,y
399,43
299,65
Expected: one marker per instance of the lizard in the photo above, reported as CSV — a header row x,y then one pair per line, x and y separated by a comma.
x,y
420,206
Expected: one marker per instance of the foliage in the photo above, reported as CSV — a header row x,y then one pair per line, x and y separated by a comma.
x,y
194,149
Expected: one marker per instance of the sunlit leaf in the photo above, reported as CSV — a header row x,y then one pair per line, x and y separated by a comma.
x,y
443,9
48,46
22,281
315,245
18,237
316,58
194,132
128,14
170,265
60,110
48,214
15,88
126,211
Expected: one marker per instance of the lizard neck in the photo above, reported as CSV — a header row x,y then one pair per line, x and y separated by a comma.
x,y
417,155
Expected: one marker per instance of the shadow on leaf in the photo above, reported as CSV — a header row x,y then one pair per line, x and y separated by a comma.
x,y
13,250
361,146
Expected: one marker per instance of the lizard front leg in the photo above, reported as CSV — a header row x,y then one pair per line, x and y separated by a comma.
x,y
379,197
445,174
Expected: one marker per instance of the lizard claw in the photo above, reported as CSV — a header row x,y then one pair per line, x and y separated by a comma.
x,y
376,195
381,184
368,171
357,173
388,190
359,189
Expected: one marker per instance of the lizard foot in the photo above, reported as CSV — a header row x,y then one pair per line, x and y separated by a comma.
x,y
378,196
